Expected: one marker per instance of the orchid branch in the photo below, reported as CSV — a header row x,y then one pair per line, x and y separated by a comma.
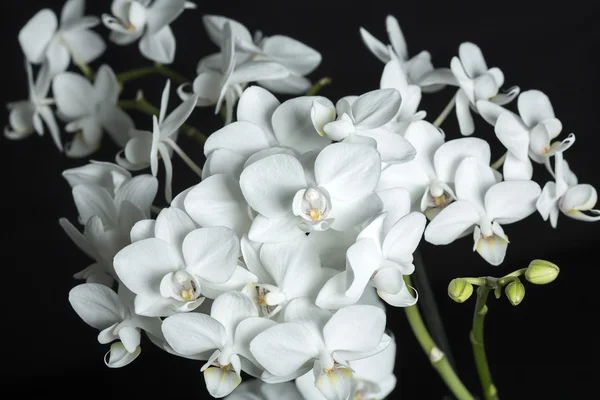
x,y
156,69
142,105
498,163
320,84
437,358
476,336
445,112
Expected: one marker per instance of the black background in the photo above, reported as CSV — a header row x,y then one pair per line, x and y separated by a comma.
x,y
545,348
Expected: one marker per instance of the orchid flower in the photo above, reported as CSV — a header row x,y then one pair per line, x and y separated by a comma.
x,y
107,175
101,308
429,177
233,323
214,87
312,338
394,77
43,41
285,271
476,82
380,257
296,57
143,149
418,68
170,260
567,195
90,109
527,135
263,123
484,205
337,193
362,120
373,377
28,116
148,20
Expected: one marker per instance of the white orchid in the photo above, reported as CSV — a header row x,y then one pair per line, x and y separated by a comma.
x,y
28,116
418,68
233,323
143,149
263,124
108,210
285,271
429,177
226,83
373,377
483,205
380,257
148,20
101,308
43,41
394,77
567,195
362,120
527,135
312,338
296,57
171,260
335,191
90,110
476,82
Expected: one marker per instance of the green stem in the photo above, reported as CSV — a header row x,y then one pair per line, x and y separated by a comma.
x,y
142,105
498,163
320,84
156,69
485,376
437,358
445,112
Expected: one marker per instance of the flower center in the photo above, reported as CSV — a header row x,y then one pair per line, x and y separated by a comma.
x,y
315,205
180,286
269,299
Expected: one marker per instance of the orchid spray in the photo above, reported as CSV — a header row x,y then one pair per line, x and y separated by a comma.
x,y
298,238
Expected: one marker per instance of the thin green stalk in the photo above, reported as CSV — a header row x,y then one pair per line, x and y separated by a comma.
x,y
437,358
498,163
156,69
320,84
142,105
476,336
445,112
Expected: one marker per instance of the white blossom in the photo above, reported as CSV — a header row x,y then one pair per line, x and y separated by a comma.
x,y
43,41
225,334
482,206
148,20
112,314
28,116
226,82
418,68
362,120
567,195
90,109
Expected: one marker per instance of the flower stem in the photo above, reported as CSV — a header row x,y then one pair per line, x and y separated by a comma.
x,y
320,84
142,105
156,69
445,112
190,163
85,69
498,163
437,358
476,336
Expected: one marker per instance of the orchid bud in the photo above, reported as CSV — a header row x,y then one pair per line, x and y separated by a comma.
x,y
541,272
460,290
515,291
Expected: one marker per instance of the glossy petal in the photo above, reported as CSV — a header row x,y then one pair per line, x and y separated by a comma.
x,y
159,46
37,33
449,155
511,201
404,237
513,134
473,179
376,108
211,253
257,105
534,107
98,305
452,222
193,333
358,319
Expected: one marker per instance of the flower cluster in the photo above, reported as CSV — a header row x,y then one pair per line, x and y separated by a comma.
x,y
306,214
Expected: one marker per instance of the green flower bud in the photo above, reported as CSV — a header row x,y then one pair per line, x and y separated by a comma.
x,y
541,272
460,290
515,291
